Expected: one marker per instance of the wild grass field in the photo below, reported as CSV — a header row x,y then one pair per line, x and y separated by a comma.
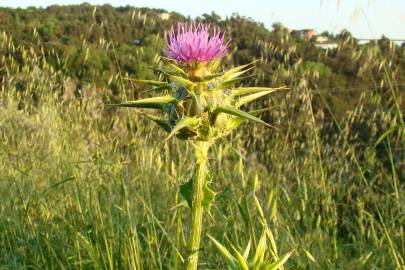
x,y
87,186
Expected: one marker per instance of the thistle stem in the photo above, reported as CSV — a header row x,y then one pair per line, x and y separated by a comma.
x,y
201,153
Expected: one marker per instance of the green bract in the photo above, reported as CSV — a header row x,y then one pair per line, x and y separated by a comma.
x,y
203,105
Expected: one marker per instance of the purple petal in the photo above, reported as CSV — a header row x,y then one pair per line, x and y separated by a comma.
x,y
192,42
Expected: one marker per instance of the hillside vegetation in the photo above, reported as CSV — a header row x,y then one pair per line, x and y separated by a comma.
x,y
84,185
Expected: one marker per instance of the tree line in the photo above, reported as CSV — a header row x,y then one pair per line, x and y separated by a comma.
x,y
97,44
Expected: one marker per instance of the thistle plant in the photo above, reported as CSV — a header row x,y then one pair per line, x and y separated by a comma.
x,y
204,105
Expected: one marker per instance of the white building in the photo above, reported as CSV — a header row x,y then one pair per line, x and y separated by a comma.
x,y
327,46
164,16
321,39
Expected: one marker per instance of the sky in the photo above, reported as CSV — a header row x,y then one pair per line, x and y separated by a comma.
x,y
363,18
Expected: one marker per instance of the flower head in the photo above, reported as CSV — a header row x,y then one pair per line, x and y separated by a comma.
x,y
192,42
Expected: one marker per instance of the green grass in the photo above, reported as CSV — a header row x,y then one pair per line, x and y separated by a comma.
x,y
84,186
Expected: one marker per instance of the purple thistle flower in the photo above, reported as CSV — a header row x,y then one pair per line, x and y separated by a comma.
x,y
191,43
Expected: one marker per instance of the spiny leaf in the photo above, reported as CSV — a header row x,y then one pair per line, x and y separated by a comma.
x,y
176,69
247,250
214,65
231,259
260,250
278,263
273,245
151,103
162,87
236,69
250,98
183,123
163,123
259,112
169,62
209,77
196,99
150,82
236,74
249,90
231,76
186,191
230,82
237,121
242,262
209,197
236,112
183,81
174,77
158,70
186,83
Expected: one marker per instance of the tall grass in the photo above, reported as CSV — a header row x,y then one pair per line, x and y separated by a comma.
x,y
84,187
